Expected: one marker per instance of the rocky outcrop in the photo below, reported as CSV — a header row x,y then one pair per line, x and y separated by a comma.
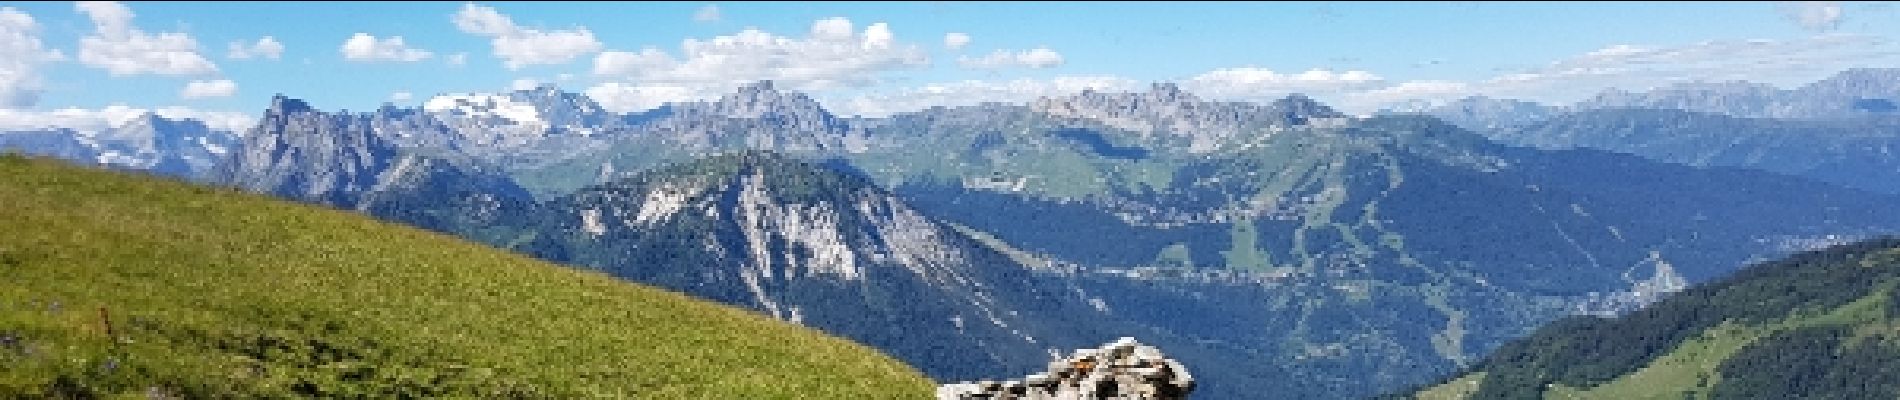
x,y
300,153
1165,112
1125,369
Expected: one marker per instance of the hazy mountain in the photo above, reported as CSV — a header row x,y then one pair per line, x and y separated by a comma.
x,y
1481,114
1859,152
178,147
1852,93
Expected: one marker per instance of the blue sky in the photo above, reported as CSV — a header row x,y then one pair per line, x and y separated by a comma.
x,y
896,56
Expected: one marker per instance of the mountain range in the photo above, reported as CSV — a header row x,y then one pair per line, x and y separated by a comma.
x,y
1306,252
1842,130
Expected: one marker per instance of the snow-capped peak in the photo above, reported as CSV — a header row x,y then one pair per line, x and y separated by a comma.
x,y
484,105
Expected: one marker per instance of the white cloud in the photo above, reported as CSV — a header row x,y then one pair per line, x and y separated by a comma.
x,y
266,47
1634,67
956,40
519,47
647,61
1260,84
219,120
122,49
399,97
1641,67
1431,91
364,47
20,59
623,97
207,89
709,13
457,59
524,84
1816,16
834,28
833,56
1033,58
973,92
93,120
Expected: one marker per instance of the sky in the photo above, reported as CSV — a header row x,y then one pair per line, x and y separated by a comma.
x,y
73,64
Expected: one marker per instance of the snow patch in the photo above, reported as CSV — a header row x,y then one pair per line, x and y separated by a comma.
x,y
484,105
590,222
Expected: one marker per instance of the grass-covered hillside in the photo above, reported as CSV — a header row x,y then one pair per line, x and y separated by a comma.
x,y
1818,325
212,293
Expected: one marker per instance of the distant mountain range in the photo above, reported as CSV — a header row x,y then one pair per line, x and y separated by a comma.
x,y
1853,93
183,147
1843,130
1306,252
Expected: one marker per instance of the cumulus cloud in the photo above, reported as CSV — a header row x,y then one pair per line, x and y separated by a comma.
x,y
1033,58
956,40
524,84
457,59
709,13
208,89
1265,84
518,46
266,47
1426,91
399,97
973,92
834,55
121,49
363,47
1637,67
834,28
626,97
20,59
1816,16
1643,67
94,120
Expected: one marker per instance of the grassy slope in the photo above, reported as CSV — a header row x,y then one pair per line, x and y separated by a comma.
x,y
214,293
1690,369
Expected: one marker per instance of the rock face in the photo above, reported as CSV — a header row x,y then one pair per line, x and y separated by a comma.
x,y
1179,119
1125,369
303,154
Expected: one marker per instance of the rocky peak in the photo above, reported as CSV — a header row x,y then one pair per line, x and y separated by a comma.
x,y
1125,369
301,153
1858,83
1482,113
763,99
281,105
1161,98
1170,93
558,107
1177,117
1297,107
